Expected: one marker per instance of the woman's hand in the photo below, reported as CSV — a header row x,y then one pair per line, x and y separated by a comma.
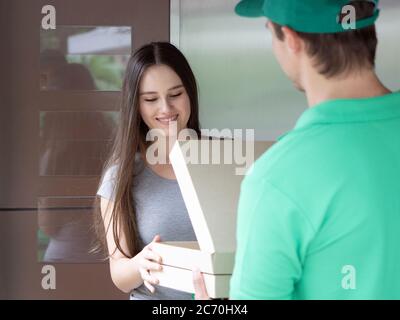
x,y
200,291
149,261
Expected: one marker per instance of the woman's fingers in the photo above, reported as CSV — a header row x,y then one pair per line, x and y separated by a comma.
x,y
150,265
150,262
200,289
156,238
147,277
150,255
150,287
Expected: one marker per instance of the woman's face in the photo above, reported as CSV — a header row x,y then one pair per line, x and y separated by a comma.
x,y
163,99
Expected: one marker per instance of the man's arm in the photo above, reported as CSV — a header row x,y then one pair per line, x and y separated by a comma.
x,y
272,239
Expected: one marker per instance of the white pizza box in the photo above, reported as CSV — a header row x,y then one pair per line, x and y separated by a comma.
x,y
210,189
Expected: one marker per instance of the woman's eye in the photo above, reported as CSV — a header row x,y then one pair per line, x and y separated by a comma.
x,y
150,100
175,95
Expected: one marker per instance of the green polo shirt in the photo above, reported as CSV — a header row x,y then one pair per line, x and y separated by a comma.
x,y
319,213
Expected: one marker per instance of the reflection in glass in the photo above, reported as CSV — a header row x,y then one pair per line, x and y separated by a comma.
x,y
65,233
74,143
84,58
223,48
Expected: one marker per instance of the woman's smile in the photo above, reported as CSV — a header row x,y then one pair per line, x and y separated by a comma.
x,y
165,120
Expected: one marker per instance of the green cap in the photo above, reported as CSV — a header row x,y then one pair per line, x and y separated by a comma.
x,y
309,16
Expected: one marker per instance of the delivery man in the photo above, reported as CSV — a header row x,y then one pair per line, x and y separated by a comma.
x,y
319,214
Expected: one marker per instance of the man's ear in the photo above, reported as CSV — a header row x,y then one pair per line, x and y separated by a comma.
x,y
292,40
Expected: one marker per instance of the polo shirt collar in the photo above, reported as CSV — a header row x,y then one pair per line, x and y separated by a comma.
x,y
352,111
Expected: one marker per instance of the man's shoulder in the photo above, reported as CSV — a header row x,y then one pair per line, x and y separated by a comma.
x,y
298,167
298,155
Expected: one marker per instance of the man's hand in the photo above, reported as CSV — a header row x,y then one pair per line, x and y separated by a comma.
x,y
200,291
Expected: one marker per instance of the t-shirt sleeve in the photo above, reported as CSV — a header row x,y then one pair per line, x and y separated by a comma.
x,y
107,186
272,240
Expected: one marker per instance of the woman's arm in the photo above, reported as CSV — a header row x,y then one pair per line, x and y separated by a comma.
x,y
128,273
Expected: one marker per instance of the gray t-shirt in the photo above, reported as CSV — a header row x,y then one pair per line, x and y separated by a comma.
x,y
160,209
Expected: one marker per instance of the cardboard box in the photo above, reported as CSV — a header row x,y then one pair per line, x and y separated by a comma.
x,y
211,192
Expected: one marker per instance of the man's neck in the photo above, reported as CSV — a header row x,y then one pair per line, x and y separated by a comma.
x,y
363,84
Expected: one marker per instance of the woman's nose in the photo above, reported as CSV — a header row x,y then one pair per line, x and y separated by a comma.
x,y
165,105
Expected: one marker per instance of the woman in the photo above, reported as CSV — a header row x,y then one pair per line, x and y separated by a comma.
x,y
141,201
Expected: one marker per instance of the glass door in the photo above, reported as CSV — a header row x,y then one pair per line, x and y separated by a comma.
x,y
62,66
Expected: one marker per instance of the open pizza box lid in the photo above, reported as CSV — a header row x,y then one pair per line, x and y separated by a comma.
x,y
209,174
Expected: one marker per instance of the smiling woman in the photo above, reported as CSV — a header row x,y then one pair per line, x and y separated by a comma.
x,y
163,99
140,202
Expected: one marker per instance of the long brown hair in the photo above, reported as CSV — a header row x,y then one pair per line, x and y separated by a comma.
x,y
130,139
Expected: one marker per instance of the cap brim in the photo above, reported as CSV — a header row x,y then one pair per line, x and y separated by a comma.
x,y
250,8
